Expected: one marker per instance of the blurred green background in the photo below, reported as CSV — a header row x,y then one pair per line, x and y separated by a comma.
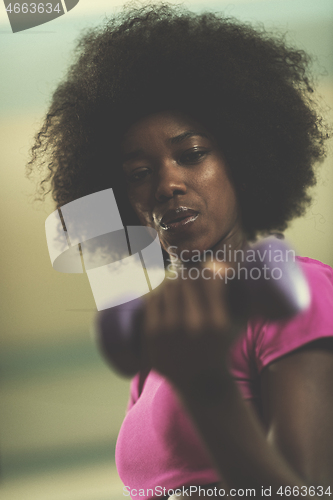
x,y
61,406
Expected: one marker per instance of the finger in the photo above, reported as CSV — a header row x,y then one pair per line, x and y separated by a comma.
x,y
194,307
172,306
152,314
216,294
220,306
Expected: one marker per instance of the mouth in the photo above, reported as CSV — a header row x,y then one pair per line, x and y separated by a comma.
x,y
178,218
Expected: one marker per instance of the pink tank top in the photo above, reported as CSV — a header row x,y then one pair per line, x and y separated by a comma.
x,y
158,446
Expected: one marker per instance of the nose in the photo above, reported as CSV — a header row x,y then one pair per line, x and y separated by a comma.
x,y
170,182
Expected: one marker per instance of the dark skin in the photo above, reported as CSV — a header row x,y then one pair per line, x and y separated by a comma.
x,y
166,169
188,321
300,427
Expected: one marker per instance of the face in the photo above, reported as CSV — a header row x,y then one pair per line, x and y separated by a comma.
x,y
178,183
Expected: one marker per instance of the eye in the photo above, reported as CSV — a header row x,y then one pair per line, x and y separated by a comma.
x,y
193,156
138,175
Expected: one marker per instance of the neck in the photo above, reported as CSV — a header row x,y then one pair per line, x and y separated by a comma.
x,y
235,240
223,251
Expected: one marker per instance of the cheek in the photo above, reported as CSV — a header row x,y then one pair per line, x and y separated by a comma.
x,y
224,201
216,182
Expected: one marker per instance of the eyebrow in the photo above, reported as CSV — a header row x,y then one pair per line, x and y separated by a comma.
x,y
185,135
178,139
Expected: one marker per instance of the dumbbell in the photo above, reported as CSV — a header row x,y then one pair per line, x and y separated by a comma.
x,y
267,282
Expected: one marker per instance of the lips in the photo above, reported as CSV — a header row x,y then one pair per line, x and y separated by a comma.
x,y
178,217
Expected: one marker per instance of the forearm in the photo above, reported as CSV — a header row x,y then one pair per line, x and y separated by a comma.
x,y
235,438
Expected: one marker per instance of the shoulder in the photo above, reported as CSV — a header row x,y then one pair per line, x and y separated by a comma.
x,y
315,270
320,280
272,340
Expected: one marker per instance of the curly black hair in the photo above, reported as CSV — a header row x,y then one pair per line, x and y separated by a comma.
x,y
252,91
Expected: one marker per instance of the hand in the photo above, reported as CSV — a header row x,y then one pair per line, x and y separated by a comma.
x,y
187,329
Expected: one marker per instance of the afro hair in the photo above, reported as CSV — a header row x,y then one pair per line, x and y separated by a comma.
x,y
251,90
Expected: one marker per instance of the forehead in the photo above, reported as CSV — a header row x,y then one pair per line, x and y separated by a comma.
x,y
166,125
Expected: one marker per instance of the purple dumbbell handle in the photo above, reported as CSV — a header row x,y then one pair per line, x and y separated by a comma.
x,y
262,286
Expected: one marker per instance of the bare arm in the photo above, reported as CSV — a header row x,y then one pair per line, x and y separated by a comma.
x,y
298,410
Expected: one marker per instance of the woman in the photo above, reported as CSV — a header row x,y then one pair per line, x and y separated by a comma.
x,y
206,131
